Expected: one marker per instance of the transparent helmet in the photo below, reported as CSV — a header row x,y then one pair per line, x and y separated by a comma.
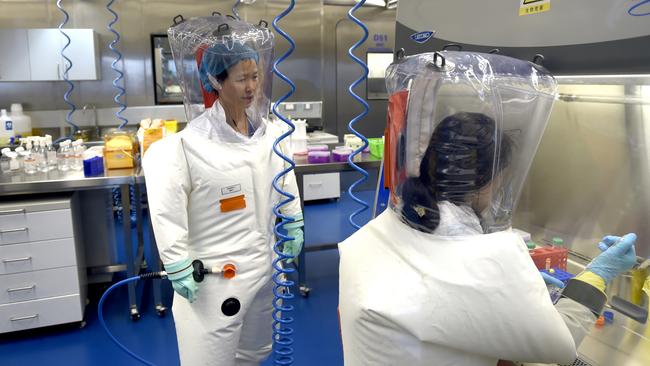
x,y
219,57
463,129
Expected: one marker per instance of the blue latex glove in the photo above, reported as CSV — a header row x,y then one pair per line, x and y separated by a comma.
x,y
180,274
293,247
618,256
550,280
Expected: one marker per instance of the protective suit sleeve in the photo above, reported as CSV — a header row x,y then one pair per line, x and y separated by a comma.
x,y
577,317
168,187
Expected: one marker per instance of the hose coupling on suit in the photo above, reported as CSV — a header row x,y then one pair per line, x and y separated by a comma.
x,y
228,271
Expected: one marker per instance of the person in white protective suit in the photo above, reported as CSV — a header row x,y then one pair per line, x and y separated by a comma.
x,y
439,278
211,197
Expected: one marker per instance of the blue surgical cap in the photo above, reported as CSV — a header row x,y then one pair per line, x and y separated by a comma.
x,y
220,58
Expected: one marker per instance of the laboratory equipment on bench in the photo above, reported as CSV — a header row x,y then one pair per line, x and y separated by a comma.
x,y
119,150
228,271
22,122
93,162
63,156
6,128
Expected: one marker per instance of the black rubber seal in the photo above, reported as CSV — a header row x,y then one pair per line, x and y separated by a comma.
x,y
230,307
585,294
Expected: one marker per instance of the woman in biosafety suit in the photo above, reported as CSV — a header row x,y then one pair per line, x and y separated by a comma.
x,y
448,283
210,193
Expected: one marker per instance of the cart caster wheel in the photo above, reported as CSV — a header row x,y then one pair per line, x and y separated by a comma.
x,y
304,291
161,311
135,315
82,324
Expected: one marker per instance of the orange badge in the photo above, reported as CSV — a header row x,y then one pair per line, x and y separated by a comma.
x,y
233,203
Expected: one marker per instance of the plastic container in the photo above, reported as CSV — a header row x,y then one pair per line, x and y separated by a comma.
x,y
311,148
341,154
554,291
5,161
6,128
29,162
22,122
557,256
299,144
171,126
93,162
119,150
301,129
51,153
63,156
76,160
376,147
318,157
14,162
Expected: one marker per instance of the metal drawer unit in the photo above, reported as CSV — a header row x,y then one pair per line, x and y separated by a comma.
x,y
42,274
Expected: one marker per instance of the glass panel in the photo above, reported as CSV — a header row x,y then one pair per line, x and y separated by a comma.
x,y
377,64
167,88
591,174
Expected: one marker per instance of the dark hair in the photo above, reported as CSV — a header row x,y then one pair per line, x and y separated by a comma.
x,y
220,78
458,162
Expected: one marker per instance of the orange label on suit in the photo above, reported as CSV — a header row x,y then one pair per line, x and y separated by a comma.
x,y
233,203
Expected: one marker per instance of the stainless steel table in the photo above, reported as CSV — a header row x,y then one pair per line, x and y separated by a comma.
x,y
18,183
365,161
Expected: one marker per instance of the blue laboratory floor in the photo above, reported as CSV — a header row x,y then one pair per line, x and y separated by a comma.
x,y
317,337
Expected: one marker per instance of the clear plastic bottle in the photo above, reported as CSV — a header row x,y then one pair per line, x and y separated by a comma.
x,y
29,162
14,162
6,128
51,153
5,161
41,155
78,148
63,156
19,157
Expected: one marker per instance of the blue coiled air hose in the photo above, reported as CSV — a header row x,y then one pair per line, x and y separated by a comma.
x,y
358,117
120,75
633,10
282,332
68,66
234,9
100,310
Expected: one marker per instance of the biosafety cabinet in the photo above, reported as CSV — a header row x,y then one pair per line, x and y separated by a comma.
x,y
591,173
42,273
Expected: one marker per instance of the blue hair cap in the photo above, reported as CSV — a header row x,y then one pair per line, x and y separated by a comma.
x,y
220,58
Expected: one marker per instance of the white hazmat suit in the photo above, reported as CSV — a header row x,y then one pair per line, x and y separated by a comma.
x,y
190,178
439,278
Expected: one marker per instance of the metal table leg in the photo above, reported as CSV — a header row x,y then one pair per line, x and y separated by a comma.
x,y
302,261
128,250
156,266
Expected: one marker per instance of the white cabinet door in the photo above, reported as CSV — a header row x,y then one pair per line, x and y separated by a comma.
x,y
45,54
83,54
14,63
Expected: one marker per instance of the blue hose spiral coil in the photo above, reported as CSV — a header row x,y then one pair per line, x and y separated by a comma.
x,y
358,117
234,9
120,74
633,10
282,332
68,66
